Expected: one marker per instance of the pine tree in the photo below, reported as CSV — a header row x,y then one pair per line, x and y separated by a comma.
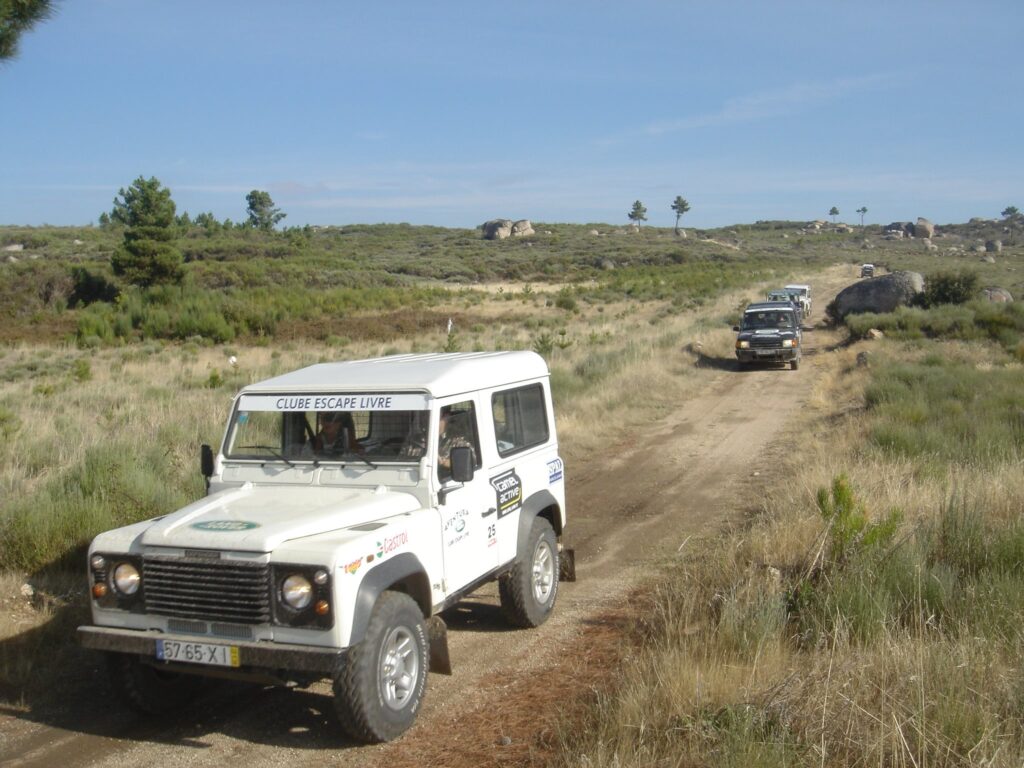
x,y
261,210
147,256
680,206
638,214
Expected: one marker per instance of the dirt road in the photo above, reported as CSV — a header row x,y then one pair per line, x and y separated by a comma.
x,y
666,486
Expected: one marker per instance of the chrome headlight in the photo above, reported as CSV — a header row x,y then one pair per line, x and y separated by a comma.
x,y
296,592
787,343
126,579
742,344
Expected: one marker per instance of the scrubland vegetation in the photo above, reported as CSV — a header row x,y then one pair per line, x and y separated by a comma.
x,y
868,614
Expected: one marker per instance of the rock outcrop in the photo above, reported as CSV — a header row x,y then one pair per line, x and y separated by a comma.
x,y
522,228
497,229
997,294
877,294
924,228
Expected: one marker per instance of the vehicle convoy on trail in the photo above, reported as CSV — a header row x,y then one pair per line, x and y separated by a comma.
x,y
769,332
349,504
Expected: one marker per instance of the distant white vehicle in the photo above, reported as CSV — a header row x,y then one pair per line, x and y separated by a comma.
x,y
803,295
348,505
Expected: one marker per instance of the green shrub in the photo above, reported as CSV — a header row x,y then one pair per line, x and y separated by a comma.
x,y
851,533
948,288
81,370
90,288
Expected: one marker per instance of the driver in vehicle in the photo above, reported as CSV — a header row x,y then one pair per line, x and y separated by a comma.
x,y
451,435
335,426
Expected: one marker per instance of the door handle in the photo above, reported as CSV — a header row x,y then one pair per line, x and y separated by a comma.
x,y
489,512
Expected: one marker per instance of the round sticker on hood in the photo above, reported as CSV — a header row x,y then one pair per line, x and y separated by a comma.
x,y
225,525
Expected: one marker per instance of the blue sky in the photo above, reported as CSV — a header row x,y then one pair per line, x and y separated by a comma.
x,y
452,113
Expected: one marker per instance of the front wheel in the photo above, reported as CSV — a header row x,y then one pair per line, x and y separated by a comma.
x,y
147,688
380,685
794,363
529,590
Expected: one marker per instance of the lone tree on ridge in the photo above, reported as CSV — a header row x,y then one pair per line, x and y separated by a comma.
x,y
261,210
680,206
833,213
638,214
147,256
862,210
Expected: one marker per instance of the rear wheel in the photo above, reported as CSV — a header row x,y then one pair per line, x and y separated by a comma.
x,y
380,685
149,689
529,590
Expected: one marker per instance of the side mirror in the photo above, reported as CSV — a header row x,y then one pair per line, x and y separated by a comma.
x,y
736,329
206,460
462,464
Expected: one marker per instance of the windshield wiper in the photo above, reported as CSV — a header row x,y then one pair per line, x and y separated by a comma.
x,y
346,454
273,452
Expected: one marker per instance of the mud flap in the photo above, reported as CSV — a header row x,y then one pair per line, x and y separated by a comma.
x,y
437,633
567,565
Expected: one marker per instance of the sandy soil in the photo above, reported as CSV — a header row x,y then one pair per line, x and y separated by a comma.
x,y
659,490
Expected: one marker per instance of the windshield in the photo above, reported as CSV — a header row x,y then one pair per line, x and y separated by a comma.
x,y
767,319
314,428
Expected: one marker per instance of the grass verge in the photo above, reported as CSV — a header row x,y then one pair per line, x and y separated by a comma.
x,y
871,613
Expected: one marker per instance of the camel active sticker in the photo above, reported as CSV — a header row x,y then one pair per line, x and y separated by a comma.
x,y
509,488
225,525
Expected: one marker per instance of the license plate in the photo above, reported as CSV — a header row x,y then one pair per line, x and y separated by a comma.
x,y
198,653
767,352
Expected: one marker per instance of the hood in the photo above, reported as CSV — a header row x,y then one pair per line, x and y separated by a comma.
x,y
255,518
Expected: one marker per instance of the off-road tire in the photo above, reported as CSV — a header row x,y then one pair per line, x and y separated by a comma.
x,y
529,590
794,363
148,689
379,686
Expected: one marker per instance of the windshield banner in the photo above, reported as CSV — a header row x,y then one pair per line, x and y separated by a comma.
x,y
334,402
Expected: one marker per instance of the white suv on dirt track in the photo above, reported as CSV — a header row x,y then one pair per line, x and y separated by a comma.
x,y
349,504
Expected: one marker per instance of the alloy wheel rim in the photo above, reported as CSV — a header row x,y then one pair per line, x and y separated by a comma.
x,y
543,572
399,668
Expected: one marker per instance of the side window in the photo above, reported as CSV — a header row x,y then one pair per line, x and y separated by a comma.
x,y
457,429
520,419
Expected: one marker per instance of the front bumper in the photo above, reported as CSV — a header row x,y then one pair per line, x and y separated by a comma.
x,y
267,656
767,355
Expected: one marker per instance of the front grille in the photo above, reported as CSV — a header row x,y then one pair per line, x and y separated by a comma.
x,y
227,591
186,627
766,342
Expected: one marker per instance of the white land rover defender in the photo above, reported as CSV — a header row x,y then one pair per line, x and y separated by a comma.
x,y
350,503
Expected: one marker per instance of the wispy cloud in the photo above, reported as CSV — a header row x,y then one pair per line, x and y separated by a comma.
x,y
772,103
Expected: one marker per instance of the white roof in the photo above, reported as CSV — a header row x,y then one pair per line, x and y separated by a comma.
x,y
438,374
799,286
